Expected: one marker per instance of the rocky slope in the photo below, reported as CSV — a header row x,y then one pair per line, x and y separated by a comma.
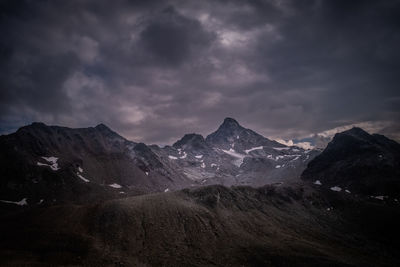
x,y
359,163
41,163
209,226
61,200
234,155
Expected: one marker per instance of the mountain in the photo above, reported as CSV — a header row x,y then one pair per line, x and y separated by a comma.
x,y
192,142
90,197
360,163
208,226
234,155
231,132
53,164
44,163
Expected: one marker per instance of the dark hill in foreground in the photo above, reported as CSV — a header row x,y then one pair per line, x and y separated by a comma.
x,y
210,226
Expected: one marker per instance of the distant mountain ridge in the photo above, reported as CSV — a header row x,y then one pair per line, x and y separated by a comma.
x,y
90,162
43,163
52,162
89,196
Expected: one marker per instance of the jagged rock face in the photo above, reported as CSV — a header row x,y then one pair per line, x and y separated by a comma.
x,y
194,142
231,131
234,155
359,162
50,162
59,163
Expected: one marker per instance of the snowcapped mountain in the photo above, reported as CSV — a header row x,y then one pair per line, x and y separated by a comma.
x,y
102,215
43,162
56,164
234,155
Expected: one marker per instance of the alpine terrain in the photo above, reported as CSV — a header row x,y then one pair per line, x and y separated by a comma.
x,y
90,197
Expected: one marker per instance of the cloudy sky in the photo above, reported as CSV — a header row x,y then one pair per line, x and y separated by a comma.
x,y
155,70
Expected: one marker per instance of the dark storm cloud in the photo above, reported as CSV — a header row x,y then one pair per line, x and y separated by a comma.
x,y
154,70
172,38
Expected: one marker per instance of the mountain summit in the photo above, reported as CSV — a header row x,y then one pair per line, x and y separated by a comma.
x,y
359,162
192,142
231,132
230,123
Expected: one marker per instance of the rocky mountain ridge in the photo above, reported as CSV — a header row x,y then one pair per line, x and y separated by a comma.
x,y
50,163
359,163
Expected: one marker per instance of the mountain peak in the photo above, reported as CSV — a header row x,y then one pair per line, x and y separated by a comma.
x,y
230,122
37,124
104,129
193,140
34,126
357,133
230,128
102,126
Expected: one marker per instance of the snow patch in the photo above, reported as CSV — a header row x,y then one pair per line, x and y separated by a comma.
x,y
198,156
234,154
166,190
184,155
213,165
114,185
22,202
296,158
277,166
318,182
379,197
52,160
336,188
82,178
203,165
172,157
347,191
80,169
281,148
252,149
147,173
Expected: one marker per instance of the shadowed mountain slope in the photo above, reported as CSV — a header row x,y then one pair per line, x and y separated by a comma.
x,y
210,226
52,163
359,162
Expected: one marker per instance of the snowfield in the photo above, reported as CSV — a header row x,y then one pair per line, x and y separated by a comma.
x,y
318,182
114,185
22,202
336,188
82,178
52,160
234,154
252,149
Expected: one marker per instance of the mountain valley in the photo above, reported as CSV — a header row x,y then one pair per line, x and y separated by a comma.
x,y
90,197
